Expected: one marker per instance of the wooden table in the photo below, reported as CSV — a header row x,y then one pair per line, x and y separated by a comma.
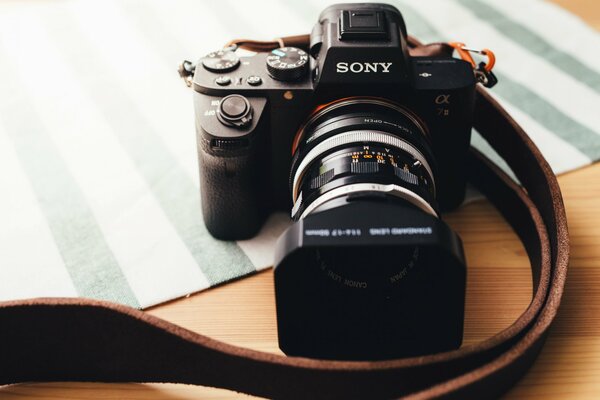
x,y
498,290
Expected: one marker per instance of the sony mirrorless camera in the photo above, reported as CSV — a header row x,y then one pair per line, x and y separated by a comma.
x,y
364,145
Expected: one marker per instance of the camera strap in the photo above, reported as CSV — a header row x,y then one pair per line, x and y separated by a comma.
x,y
76,339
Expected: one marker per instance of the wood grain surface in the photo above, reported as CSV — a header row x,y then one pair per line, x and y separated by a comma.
x,y
498,290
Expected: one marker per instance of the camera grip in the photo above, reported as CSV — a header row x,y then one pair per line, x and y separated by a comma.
x,y
231,189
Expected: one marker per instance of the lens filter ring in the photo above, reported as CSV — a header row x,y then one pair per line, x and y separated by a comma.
x,y
393,190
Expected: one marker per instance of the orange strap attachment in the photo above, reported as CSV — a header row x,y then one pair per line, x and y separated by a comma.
x,y
465,53
483,71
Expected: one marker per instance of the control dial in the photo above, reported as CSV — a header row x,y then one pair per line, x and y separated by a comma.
x,y
221,61
235,110
287,63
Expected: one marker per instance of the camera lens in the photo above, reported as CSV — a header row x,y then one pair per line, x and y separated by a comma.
x,y
361,148
368,256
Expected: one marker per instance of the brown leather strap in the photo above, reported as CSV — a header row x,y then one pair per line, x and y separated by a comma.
x,y
86,340
301,41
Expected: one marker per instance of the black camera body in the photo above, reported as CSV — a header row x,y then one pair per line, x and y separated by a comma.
x,y
244,170
366,145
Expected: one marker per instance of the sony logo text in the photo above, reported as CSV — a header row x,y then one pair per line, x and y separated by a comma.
x,y
363,67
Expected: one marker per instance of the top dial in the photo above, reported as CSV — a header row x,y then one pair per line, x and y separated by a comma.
x,y
221,61
287,63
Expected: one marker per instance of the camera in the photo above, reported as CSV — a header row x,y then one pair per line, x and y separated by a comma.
x,y
365,145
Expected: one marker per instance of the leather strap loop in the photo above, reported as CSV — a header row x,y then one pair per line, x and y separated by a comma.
x,y
58,339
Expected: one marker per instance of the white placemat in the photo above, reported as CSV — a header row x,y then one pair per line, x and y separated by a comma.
x,y
98,166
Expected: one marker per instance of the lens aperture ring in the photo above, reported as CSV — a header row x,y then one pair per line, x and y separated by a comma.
x,y
356,137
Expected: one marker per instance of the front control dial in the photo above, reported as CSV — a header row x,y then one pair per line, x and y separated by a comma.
x,y
221,61
287,63
235,110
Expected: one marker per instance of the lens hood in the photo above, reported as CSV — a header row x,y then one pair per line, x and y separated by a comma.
x,y
372,279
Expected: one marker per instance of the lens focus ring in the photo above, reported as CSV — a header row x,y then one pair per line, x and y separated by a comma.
x,y
362,136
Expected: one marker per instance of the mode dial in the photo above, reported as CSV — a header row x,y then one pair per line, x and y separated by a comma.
x,y
287,63
221,61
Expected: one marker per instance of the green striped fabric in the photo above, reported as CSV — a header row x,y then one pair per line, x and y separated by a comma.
x,y
97,148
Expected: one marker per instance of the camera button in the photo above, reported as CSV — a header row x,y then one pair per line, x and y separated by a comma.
x,y
254,80
235,110
223,81
234,106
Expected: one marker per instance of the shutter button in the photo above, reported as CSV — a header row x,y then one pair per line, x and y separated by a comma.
x,y
235,110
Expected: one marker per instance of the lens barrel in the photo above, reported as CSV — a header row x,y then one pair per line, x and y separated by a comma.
x,y
369,270
362,146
